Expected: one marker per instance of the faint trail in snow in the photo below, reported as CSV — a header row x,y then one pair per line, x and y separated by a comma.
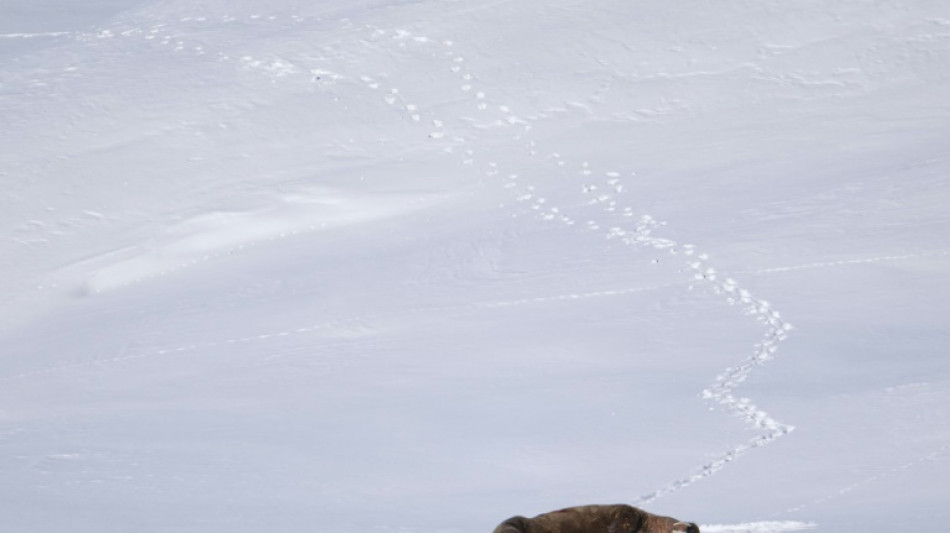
x,y
849,262
869,480
757,527
177,350
336,325
34,35
568,297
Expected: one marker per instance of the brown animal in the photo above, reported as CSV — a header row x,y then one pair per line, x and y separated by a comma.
x,y
596,519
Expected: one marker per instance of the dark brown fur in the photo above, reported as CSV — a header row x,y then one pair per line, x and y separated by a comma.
x,y
597,519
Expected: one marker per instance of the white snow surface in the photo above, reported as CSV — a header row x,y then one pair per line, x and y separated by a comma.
x,y
419,266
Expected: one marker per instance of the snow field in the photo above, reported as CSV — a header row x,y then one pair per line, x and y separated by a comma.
x,y
424,266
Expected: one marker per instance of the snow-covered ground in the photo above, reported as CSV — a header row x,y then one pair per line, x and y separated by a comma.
x,y
392,265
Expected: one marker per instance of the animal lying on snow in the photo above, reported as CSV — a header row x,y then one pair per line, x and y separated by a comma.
x,y
597,519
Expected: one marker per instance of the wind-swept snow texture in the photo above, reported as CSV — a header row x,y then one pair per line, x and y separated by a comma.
x,y
420,266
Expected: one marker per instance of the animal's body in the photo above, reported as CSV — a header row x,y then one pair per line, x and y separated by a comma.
x,y
618,518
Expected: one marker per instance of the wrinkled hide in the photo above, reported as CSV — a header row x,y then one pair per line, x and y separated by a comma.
x,y
597,519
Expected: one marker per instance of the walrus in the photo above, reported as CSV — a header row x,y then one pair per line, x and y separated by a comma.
x,y
620,518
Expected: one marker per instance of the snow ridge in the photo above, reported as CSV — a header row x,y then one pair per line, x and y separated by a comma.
x,y
846,262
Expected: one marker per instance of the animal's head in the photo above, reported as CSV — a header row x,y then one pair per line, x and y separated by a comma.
x,y
665,524
515,524
685,527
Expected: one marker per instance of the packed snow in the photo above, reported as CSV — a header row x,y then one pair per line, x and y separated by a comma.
x,y
420,266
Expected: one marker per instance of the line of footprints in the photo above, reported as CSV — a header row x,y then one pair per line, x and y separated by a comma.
x,y
601,194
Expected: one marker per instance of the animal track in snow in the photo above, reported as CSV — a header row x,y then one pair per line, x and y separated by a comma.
x,y
641,232
179,37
